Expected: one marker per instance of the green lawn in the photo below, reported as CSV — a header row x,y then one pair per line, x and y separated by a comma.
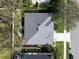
x,y
67,50
59,24
43,6
59,50
3,25
6,53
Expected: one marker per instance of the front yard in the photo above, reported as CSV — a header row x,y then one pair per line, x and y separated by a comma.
x,y
59,50
59,24
67,50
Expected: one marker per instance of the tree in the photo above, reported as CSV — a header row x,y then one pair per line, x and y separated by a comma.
x,y
29,3
9,6
17,4
71,15
67,11
6,30
54,5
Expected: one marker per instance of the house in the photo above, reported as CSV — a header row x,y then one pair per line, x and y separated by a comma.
x,y
38,28
34,53
33,57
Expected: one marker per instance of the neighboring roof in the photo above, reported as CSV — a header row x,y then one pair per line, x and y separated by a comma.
x,y
44,34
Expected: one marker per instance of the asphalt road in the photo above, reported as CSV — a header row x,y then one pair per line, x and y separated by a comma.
x,y
75,42
75,38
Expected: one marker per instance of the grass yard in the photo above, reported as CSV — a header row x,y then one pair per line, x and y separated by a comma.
x,y
43,6
5,54
3,25
59,50
59,24
67,50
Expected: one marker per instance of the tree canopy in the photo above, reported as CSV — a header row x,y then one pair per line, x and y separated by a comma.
x,y
68,11
71,15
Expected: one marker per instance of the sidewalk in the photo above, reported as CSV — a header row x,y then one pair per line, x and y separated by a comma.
x,y
61,36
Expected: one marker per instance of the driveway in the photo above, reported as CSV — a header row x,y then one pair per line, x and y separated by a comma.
x,y
75,42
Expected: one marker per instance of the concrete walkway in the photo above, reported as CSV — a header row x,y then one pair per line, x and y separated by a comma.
x,y
61,36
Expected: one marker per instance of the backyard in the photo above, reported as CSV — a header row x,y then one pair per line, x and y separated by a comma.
x,y
30,7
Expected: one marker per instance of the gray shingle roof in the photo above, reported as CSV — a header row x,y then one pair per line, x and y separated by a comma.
x,y
44,34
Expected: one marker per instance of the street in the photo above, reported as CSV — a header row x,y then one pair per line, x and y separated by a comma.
x,y
75,42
